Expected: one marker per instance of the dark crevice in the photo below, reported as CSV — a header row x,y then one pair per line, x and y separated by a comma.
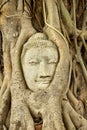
x,y
1,53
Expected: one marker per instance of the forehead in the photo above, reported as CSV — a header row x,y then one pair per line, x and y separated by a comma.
x,y
36,52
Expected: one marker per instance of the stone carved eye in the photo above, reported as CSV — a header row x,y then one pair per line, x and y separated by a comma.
x,y
33,62
52,62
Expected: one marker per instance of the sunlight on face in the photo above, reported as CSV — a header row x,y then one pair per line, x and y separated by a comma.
x,y
39,66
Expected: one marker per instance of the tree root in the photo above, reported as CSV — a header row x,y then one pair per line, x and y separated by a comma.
x,y
65,15
72,119
77,104
1,79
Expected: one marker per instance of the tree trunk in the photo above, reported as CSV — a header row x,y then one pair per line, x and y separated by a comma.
x,y
62,106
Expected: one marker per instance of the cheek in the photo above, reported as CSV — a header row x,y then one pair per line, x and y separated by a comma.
x,y
51,68
30,72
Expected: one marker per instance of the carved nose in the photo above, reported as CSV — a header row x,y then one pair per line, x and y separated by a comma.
x,y
43,72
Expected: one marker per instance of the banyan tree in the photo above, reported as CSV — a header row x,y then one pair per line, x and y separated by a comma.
x,y
43,65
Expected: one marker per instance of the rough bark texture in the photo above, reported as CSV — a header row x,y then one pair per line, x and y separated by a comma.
x,y
64,22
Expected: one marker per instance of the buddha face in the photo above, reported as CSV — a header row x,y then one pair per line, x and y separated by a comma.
x,y
39,64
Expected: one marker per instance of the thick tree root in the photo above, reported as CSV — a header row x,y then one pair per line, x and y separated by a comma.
x,y
72,119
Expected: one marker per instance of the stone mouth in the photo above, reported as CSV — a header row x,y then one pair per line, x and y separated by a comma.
x,y
43,81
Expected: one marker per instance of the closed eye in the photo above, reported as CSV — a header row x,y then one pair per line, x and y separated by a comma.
x,y
33,62
52,62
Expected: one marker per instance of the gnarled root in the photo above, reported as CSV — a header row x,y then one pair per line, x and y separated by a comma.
x,y
72,119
